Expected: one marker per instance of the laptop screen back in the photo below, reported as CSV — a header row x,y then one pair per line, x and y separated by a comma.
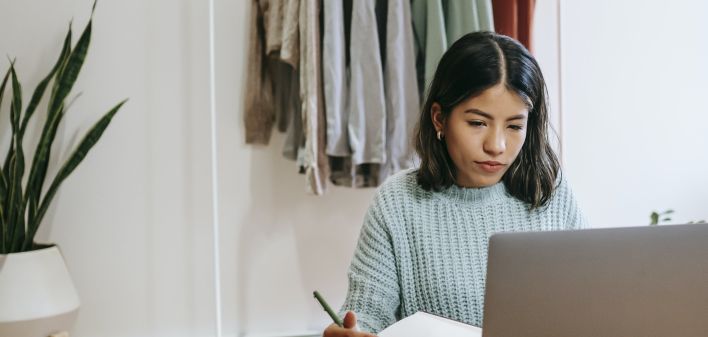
x,y
614,282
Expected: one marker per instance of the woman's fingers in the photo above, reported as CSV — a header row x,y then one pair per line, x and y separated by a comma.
x,y
335,331
349,320
349,329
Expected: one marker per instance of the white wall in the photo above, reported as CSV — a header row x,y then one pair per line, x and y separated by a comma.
x,y
635,113
134,220
279,243
546,51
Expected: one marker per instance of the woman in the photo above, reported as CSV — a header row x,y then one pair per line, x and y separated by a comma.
x,y
486,166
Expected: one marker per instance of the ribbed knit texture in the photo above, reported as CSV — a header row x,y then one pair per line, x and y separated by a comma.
x,y
427,251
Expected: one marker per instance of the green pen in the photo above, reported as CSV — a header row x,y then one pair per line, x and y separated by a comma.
x,y
326,307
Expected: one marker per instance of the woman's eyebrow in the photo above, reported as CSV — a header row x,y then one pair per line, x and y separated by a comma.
x,y
489,116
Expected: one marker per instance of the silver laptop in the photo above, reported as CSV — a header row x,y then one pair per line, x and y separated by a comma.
x,y
614,282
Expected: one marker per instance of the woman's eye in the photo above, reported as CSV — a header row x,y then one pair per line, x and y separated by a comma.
x,y
516,127
475,123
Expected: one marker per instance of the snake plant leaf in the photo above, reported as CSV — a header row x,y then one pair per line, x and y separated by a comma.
x,y
66,76
29,239
22,209
15,209
42,86
40,162
8,227
3,181
33,188
3,178
6,166
89,140
3,233
69,73
63,60
16,109
4,83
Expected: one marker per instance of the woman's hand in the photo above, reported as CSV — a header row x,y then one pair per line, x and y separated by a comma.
x,y
349,330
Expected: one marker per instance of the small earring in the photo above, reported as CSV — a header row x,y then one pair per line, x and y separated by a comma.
x,y
440,135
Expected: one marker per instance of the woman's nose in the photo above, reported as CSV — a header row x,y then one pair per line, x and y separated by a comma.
x,y
495,143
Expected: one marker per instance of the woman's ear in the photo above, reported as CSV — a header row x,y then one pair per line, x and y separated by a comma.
x,y
437,117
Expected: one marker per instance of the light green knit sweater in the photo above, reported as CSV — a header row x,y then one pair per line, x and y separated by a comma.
x,y
427,251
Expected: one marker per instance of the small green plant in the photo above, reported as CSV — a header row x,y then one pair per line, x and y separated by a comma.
x,y
23,207
657,218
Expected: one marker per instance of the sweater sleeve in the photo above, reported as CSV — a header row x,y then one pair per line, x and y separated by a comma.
x,y
373,293
575,219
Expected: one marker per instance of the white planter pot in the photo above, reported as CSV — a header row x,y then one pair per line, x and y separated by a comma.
x,y
37,296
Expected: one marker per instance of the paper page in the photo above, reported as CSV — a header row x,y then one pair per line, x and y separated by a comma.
x,y
422,324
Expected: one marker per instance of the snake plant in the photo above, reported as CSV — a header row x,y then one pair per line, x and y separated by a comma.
x,y
24,200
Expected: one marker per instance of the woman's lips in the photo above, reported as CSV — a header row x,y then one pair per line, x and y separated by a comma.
x,y
490,166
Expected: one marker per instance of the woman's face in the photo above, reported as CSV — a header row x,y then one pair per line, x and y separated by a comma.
x,y
484,135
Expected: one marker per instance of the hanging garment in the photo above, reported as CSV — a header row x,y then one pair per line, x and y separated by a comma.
x,y
430,38
367,106
335,73
259,114
281,75
335,77
514,18
290,48
485,15
392,29
290,54
273,22
281,72
402,100
466,16
273,64
461,17
295,138
313,115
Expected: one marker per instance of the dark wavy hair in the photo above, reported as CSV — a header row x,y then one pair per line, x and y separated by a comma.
x,y
474,63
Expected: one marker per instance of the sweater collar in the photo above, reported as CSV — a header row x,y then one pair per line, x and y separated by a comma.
x,y
475,194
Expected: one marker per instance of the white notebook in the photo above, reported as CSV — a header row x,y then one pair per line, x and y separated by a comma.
x,y
422,324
